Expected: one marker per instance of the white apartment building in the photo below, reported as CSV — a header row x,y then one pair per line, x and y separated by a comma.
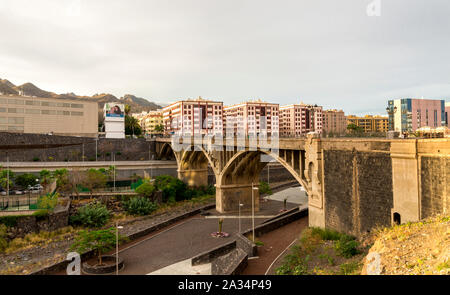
x,y
297,120
193,117
252,118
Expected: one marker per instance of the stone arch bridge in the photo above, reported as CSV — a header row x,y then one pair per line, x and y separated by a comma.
x,y
353,185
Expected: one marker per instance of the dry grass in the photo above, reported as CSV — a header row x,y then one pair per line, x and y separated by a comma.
x,y
418,248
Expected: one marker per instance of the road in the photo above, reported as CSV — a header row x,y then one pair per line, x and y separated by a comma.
x,y
120,165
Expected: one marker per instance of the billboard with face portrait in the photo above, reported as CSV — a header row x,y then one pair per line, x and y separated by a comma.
x,y
114,110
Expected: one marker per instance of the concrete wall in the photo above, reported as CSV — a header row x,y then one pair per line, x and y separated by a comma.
x,y
365,184
130,149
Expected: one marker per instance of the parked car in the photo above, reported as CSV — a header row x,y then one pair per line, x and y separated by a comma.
x,y
18,192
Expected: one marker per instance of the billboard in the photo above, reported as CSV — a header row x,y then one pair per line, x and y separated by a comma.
x,y
114,110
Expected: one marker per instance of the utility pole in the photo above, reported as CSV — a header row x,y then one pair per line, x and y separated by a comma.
x,y
7,173
96,148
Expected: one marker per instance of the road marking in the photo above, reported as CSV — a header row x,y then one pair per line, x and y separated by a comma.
x,y
273,262
242,216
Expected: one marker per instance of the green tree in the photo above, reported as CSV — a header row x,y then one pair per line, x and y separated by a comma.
x,y
4,178
159,128
132,126
354,128
25,180
94,179
62,178
46,178
101,241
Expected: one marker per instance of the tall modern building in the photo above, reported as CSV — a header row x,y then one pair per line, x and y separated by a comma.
x,y
25,114
298,119
447,114
194,117
409,114
252,118
334,121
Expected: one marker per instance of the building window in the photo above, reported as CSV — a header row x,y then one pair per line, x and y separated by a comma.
x,y
76,106
18,120
76,113
32,111
15,128
14,111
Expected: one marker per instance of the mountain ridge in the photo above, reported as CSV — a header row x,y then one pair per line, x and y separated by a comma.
x,y
137,104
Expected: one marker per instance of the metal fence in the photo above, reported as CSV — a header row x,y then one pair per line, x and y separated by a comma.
x,y
18,203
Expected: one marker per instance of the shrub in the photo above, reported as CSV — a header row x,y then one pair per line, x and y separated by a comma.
x,y
49,201
26,179
326,234
346,246
145,190
91,215
139,206
3,241
10,221
36,159
264,188
41,214
172,188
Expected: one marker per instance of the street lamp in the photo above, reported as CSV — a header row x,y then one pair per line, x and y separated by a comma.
x,y
394,110
117,246
253,210
240,205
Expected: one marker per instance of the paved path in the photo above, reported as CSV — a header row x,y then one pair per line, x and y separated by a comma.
x,y
185,240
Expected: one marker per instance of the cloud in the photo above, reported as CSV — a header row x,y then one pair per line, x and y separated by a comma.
x,y
325,52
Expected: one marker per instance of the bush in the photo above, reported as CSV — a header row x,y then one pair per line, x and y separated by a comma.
x,y
91,215
41,214
346,246
172,188
3,241
36,159
326,234
10,221
145,190
264,188
49,201
139,206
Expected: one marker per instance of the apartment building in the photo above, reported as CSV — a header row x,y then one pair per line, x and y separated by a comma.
x,y
193,117
334,121
409,114
48,115
252,118
370,123
298,119
150,120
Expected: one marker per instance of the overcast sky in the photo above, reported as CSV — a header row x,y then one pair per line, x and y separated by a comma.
x,y
324,52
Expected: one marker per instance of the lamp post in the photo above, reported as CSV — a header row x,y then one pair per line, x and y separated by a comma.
x,y
96,148
114,170
117,246
240,205
394,110
7,173
253,210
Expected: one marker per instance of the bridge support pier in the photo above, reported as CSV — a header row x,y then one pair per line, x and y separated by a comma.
x,y
228,197
194,177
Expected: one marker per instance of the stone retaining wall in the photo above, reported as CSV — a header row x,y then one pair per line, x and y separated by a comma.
x,y
34,224
129,149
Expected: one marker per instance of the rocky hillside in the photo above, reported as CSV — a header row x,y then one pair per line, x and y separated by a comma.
x,y
137,104
412,248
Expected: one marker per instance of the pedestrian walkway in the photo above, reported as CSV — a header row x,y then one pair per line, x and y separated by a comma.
x,y
184,268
